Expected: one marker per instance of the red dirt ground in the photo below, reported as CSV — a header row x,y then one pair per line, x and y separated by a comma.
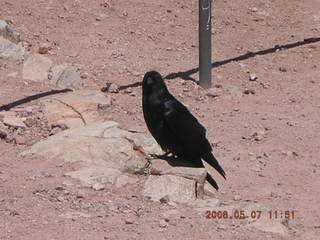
x,y
118,41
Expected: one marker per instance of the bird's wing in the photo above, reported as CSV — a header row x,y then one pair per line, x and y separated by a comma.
x,y
189,135
188,131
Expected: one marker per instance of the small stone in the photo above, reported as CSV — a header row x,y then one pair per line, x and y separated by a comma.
x,y
3,134
80,194
254,9
212,93
54,131
113,88
253,77
164,199
44,48
59,188
129,221
163,223
98,186
258,136
282,69
249,91
237,198
21,140
60,199
61,125
128,90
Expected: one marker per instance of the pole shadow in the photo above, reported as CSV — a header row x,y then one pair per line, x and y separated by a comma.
x,y
186,74
8,106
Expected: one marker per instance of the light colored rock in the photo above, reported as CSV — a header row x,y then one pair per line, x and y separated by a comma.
x,y
178,189
11,50
69,78
163,167
44,48
98,186
91,175
253,77
36,68
75,109
10,119
7,33
55,72
103,149
124,180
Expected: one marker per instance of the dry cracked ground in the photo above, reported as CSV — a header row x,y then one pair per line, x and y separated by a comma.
x,y
75,164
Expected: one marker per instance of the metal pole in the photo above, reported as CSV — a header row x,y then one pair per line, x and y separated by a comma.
x,y
205,43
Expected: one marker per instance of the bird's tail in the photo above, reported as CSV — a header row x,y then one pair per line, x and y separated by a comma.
x,y
209,158
212,181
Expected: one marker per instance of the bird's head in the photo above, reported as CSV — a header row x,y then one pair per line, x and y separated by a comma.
x,y
153,82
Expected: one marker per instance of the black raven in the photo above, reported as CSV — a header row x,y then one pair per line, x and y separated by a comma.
x,y
174,128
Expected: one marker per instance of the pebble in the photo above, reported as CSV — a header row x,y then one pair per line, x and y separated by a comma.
x,y
9,139
164,199
237,198
163,223
249,91
80,194
98,186
3,134
63,126
112,88
54,131
129,221
258,136
21,140
44,48
59,187
128,90
282,69
253,77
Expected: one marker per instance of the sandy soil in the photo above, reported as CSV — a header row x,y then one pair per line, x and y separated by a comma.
x,y
268,142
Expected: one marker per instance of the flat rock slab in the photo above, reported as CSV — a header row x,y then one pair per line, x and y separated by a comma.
x,y
65,76
10,118
178,189
76,109
177,168
11,50
101,175
36,68
103,149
